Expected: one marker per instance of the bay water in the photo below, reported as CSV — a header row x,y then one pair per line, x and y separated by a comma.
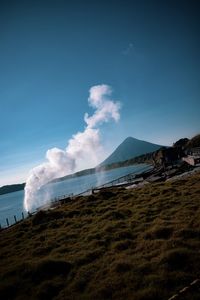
x,y
12,204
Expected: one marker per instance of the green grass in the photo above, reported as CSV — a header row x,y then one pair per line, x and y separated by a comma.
x,y
118,244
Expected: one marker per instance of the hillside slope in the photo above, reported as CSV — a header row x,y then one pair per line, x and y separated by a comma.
x,y
118,244
130,148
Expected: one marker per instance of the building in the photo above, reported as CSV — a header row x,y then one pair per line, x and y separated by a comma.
x,y
193,156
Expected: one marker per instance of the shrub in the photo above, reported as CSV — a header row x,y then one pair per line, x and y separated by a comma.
x,y
89,257
123,235
120,246
159,232
122,267
189,233
106,193
49,268
43,216
48,290
177,259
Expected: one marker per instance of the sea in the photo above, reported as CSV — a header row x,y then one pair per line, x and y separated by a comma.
x,y
11,205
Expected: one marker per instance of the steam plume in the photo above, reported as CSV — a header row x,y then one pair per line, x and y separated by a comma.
x,y
81,146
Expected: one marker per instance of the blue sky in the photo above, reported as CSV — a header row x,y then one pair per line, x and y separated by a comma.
x,y
52,52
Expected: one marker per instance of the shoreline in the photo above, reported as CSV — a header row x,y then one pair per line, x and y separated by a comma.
x,y
20,186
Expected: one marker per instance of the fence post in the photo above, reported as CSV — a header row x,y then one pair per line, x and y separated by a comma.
x,y
15,219
22,216
7,222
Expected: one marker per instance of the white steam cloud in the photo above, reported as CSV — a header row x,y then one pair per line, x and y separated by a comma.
x,y
83,146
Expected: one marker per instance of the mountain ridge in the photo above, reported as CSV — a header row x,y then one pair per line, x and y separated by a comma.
x,y
130,148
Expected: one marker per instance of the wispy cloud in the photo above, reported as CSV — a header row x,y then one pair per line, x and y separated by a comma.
x,y
128,49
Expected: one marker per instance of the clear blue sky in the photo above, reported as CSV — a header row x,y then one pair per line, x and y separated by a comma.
x,y
52,52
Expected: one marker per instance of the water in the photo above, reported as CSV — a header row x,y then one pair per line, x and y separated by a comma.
x,y
12,204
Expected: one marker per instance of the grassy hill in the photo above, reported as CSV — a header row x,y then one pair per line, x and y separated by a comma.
x,y
118,244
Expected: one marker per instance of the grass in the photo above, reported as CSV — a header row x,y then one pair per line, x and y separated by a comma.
x,y
137,244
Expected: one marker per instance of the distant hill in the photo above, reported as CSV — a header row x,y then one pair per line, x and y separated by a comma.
x,y
128,149
11,188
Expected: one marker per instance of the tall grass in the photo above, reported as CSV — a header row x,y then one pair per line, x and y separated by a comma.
x,y
118,244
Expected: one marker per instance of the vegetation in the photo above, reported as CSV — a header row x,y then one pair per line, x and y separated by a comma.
x,y
194,142
181,143
117,244
11,188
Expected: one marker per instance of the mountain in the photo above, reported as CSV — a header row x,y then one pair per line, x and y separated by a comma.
x,y
128,149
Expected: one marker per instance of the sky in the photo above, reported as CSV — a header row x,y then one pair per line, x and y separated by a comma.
x,y
53,52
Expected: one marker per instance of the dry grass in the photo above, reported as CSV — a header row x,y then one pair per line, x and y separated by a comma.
x,y
118,244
